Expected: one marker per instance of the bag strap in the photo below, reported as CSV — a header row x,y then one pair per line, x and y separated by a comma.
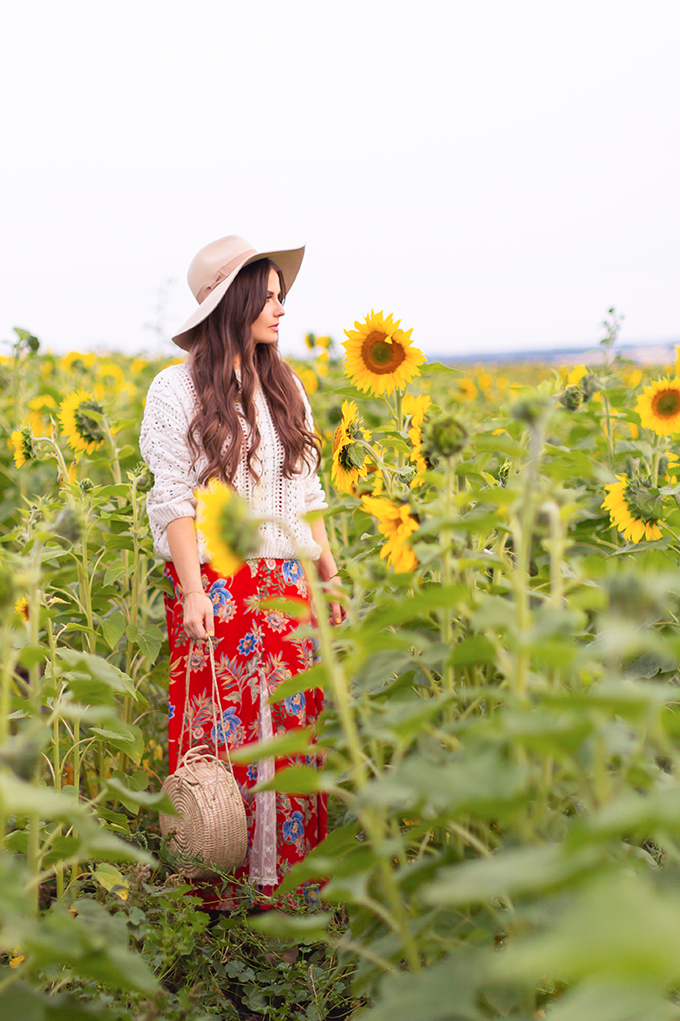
x,y
216,703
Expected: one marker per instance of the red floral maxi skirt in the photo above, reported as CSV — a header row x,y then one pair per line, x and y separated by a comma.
x,y
256,649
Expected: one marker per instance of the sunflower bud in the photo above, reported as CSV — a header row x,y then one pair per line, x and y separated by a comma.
x,y
143,477
68,525
529,410
86,485
590,384
504,472
443,437
572,397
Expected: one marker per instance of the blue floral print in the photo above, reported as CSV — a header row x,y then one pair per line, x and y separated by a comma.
x,y
228,728
222,600
247,643
292,572
295,704
293,830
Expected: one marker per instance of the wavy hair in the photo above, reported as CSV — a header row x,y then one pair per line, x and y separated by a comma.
x,y
220,341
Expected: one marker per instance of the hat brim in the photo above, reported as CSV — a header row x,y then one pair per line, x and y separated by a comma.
x,y
288,261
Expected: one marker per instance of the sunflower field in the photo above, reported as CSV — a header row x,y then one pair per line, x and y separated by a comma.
x,y
501,738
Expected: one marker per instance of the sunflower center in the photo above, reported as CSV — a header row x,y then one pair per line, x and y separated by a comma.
x,y
87,426
643,503
666,403
379,356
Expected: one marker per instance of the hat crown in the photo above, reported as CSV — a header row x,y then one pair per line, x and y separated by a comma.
x,y
206,264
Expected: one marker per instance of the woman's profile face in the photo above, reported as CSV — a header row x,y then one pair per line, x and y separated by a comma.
x,y
265,329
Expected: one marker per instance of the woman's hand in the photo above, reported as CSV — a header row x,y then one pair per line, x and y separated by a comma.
x,y
199,622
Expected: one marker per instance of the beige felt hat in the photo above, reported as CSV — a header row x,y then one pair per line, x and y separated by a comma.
x,y
215,267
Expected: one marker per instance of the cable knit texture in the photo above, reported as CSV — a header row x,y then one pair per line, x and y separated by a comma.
x,y
171,404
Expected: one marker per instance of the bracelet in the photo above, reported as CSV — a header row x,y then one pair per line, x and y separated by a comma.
x,y
195,592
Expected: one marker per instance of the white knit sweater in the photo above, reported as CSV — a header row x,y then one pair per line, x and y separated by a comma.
x,y
171,404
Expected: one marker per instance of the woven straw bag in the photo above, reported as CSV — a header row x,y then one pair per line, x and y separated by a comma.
x,y
209,834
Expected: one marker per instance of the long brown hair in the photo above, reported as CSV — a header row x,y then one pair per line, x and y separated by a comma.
x,y
224,337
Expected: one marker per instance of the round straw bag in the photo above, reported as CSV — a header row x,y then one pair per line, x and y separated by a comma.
x,y
209,832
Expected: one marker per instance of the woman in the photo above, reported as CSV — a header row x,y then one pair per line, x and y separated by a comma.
x,y
236,412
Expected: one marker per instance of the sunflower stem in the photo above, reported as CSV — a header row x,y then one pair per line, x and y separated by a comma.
x,y
56,450
656,457
115,464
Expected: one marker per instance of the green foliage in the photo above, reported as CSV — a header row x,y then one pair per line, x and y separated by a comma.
x,y
502,735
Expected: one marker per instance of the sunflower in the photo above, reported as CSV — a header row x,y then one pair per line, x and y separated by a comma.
x,y
349,458
78,422
396,523
576,375
659,406
416,408
465,390
75,361
230,532
21,607
634,509
379,355
310,380
39,407
21,442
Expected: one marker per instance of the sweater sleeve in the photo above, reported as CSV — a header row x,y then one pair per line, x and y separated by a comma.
x,y
163,445
315,497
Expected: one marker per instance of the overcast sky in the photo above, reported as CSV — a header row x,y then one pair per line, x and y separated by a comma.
x,y
497,173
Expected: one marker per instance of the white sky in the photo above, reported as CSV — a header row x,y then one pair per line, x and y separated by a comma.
x,y
497,173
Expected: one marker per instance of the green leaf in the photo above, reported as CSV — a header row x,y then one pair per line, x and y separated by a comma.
x,y
295,927
132,799
113,628
298,780
114,542
613,1001
92,680
290,743
435,597
61,849
32,654
315,677
475,649
125,737
149,639
501,444
509,873
447,990
25,799
111,879
20,1002
618,928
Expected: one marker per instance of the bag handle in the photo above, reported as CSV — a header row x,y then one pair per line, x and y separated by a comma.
x,y
216,703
